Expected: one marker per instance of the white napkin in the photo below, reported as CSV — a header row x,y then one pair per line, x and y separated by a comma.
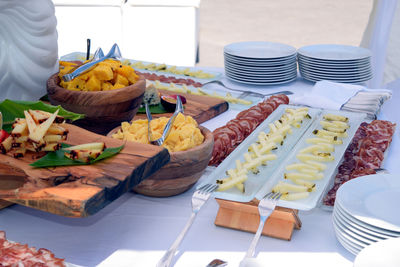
x,y
328,95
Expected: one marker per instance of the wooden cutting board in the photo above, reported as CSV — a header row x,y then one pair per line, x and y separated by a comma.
x,y
201,108
79,191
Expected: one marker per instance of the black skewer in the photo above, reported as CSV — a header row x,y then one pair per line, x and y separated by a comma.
x,y
87,49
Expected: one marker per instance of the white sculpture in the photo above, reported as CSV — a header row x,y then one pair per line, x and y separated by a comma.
x,y
28,48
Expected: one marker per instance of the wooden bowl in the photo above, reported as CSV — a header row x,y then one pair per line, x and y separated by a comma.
x,y
104,110
181,173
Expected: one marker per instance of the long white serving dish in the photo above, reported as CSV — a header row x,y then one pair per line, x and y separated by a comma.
x,y
311,202
256,181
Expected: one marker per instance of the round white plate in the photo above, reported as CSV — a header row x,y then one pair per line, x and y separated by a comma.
x,y
263,68
351,233
360,230
334,66
336,70
333,80
337,74
364,226
334,52
353,241
384,253
262,83
333,62
373,199
347,244
259,49
293,56
328,77
260,73
261,78
341,75
262,63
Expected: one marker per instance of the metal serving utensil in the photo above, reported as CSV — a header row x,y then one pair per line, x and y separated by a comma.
x,y
245,92
167,129
113,53
199,197
265,208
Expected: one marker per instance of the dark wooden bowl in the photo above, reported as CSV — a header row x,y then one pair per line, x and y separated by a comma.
x,y
104,110
181,173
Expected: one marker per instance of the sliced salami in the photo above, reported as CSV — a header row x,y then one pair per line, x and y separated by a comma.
x,y
228,137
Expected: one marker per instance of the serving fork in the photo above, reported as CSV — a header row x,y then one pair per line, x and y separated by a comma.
x,y
199,197
246,93
265,208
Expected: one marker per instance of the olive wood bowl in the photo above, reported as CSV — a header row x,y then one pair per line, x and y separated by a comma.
x,y
182,171
104,110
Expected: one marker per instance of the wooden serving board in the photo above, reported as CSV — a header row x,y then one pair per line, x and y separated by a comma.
x,y
79,191
201,108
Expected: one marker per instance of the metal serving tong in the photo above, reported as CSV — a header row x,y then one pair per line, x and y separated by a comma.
x,y
167,129
113,53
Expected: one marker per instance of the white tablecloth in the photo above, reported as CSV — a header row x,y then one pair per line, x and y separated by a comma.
x,y
135,230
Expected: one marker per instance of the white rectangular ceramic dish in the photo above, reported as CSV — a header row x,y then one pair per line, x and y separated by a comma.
x,y
314,198
256,181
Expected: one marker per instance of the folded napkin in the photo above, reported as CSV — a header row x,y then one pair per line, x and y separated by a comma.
x,y
339,96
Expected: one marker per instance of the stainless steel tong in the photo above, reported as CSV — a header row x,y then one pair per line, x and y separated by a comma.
x,y
167,129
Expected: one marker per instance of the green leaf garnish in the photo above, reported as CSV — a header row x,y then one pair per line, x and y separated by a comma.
x,y
57,158
12,109
154,109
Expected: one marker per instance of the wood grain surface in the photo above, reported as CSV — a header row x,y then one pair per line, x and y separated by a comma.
x,y
79,191
201,108
182,172
104,110
244,216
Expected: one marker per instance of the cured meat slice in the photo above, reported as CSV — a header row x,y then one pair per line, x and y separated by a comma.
x,y
363,155
239,134
16,254
168,79
228,137
228,133
361,172
254,114
217,154
280,99
273,104
248,125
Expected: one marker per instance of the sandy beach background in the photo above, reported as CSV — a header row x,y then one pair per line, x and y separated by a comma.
x,y
297,23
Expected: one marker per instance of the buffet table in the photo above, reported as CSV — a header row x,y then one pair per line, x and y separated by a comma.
x,y
136,230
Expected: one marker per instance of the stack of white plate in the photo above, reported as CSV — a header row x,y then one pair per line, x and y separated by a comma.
x,y
260,63
338,63
367,210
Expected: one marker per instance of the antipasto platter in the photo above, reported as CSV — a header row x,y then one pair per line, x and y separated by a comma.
x,y
295,151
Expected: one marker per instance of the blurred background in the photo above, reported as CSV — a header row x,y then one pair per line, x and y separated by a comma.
x,y
297,23
190,32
